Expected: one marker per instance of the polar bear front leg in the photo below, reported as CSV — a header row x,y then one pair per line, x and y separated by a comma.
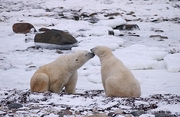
x,y
71,85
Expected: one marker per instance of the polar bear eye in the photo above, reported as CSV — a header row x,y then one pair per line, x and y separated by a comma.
x,y
76,60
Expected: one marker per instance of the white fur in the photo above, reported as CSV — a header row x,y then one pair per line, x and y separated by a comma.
x,y
60,73
117,79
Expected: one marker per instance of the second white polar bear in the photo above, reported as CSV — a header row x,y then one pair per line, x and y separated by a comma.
x,y
60,73
117,79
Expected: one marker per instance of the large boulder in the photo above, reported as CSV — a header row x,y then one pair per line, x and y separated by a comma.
x,y
23,28
55,39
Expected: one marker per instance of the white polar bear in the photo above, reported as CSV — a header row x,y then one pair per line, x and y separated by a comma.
x,y
60,73
117,79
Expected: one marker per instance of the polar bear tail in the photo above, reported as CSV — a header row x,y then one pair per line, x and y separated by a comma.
x,y
39,82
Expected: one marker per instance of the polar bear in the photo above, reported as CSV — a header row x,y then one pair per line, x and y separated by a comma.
x,y
117,79
60,73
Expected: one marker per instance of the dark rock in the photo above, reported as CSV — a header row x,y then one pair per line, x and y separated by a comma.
x,y
163,37
92,20
111,114
76,17
130,13
134,35
158,31
14,106
84,15
32,48
22,27
138,113
154,36
98,115
165,19
111,18
44,29
30,68
92,14
48,10
158,36
127,27
155,20
112,14
53,39
164,115
128,20
110,32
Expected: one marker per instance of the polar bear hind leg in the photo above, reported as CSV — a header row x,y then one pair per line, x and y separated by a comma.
x,y
111,88
39,82
114,87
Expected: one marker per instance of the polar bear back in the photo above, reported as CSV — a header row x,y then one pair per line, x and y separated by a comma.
x,y
117,79
59,74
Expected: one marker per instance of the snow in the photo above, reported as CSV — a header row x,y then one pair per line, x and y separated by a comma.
x,y
111,23
153,61
147,115
170,107
172,62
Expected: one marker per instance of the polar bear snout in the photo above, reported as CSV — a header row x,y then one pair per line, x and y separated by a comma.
x,y
90,55
92,50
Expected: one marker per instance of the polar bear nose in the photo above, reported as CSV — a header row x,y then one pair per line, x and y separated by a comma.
x,y
92,50
89,54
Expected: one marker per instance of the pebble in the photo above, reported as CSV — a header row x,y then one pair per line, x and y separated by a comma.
x,y
14,106
98,115
164,115
118,111
138,113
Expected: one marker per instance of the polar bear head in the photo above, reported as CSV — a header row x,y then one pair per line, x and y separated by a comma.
x,y
101,51
79,58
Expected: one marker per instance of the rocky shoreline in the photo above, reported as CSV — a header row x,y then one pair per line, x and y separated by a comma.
x,y
26,103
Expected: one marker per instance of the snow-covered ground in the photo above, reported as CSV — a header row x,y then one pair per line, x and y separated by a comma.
x,y
154,61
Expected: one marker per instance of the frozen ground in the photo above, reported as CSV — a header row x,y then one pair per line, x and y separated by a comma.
x,y
154,61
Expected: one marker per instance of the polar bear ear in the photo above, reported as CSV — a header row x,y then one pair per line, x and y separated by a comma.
x,y
101,51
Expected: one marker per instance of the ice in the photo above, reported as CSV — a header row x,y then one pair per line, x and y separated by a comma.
x,y
92,41
147,115
97,31
172,62
111,22
140,56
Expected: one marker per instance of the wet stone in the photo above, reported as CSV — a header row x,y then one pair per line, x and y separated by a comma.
x,y
22,27
138,113
14,106
127,27
98,115
118,111
44,29
158,31
112,14
110,32
55,39
111,114
164,115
